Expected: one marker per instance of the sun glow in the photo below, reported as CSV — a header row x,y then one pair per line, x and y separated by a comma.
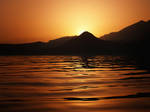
x,y
25,21
80,31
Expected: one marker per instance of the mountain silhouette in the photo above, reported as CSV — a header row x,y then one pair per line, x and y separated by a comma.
x,y
133,39
137,32
84,43
84,37
60,41
87,36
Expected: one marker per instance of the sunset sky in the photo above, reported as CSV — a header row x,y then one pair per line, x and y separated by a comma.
x,y
24,21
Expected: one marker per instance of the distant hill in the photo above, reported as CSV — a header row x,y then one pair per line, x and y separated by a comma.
x,y
133,39
23,49
60,41
137,32
84,38
84,43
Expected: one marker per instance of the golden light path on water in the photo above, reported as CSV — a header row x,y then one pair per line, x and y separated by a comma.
x,y
73,84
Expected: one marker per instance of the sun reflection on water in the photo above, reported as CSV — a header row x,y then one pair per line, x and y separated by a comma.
x,y
73,83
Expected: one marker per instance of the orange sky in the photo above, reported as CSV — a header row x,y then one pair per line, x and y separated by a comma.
x,y
24,21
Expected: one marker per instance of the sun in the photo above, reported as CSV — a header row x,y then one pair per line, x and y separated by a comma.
x,y
83,28
81,31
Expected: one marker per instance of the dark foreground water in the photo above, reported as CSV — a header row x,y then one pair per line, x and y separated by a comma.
x,y
73,84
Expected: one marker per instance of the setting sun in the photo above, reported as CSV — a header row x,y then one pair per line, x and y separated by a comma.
x,y
80,31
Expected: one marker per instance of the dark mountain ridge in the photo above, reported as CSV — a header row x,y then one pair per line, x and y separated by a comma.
x,y
137,32
132,39
84,43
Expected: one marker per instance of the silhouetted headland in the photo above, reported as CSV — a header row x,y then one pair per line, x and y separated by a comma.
x,y
133,39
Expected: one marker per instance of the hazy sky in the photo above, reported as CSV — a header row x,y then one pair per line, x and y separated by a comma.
x,y
24,21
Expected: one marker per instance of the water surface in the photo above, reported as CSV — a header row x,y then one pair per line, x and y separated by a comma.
x,y
73,84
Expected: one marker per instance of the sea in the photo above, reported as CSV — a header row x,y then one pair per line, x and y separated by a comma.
x,y
74,84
